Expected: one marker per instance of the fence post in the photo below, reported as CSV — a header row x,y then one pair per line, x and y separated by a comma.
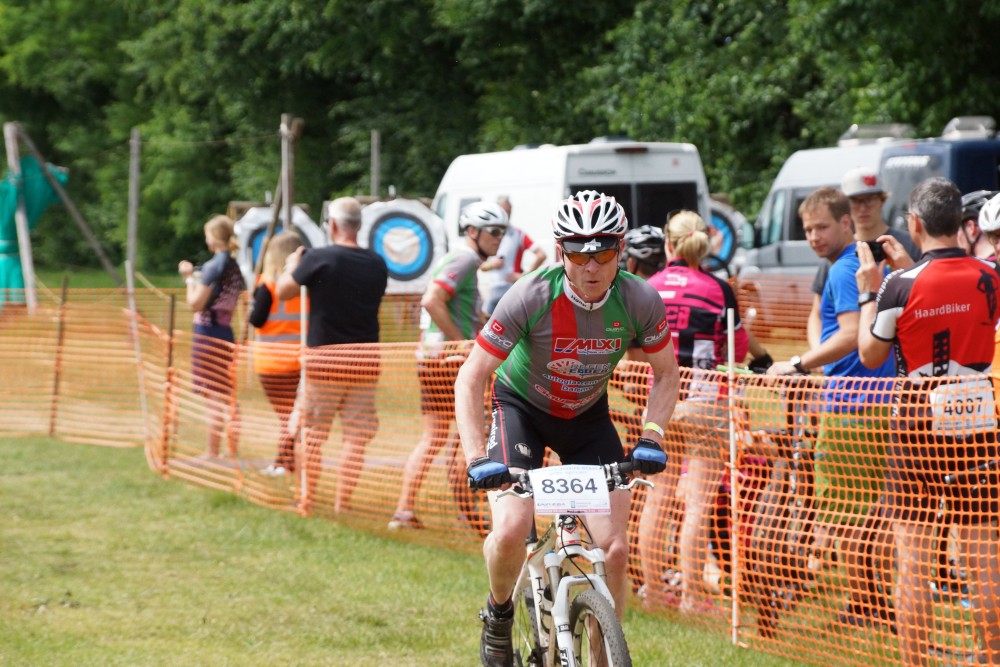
x,y
168,395
734,478
57,371
137,346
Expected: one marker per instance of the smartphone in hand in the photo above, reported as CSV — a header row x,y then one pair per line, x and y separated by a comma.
x,y
878,252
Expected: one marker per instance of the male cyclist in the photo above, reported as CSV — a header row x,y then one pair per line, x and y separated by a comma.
x,y
553,341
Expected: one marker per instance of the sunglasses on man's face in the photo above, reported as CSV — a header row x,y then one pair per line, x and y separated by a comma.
x,y
582,258
495,232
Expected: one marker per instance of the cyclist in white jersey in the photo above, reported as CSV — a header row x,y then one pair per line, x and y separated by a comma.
x,y
553,341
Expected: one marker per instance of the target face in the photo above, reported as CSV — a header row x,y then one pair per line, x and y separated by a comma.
x,y
404,243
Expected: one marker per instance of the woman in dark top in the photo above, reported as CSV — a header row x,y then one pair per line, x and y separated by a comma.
x,y
213,294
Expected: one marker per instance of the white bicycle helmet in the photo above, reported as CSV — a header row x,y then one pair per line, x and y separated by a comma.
x,y
646,242
989,215
589,213
483,214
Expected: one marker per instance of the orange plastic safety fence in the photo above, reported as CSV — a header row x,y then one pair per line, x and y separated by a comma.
x,y
826,520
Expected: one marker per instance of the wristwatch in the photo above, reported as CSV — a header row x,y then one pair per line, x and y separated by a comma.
x,y
796,361
866,297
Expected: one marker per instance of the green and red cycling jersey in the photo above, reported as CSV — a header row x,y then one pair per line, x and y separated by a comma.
x,y
560,351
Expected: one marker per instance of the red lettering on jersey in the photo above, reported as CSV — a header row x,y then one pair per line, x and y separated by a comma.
x,y
587,345
678,317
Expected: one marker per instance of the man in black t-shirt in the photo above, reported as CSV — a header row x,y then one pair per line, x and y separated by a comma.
x,y
345,284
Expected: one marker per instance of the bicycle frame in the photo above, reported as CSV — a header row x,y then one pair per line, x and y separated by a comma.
x,y
555,594
552,589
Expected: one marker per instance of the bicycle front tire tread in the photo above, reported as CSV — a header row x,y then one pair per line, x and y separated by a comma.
x,y
593,604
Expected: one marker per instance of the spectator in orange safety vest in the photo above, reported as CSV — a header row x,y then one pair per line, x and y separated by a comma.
x,y
277,346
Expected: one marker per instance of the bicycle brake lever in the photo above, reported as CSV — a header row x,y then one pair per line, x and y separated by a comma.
x,y
515,490
635,481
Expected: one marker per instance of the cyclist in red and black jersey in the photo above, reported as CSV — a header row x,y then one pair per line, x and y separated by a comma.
x,y
553,341
940,316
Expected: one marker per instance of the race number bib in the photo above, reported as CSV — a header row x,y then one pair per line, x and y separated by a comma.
x,y
963,408
571,489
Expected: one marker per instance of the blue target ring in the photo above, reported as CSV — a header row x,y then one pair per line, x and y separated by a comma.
x,y
725,228
404,243
257,241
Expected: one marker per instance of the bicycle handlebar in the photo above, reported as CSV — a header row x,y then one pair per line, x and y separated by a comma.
x,y
616,475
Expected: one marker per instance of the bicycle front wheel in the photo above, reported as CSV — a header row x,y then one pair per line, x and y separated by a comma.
x,y
598,639
527,649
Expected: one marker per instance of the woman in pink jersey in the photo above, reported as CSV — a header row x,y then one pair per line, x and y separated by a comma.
x,y
696,302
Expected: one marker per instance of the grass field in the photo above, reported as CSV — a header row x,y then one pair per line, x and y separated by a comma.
x,y
105,563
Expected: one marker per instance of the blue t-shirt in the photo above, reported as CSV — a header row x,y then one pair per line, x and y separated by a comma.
x,y
840,295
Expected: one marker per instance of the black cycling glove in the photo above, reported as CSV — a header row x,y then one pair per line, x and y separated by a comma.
x,y
486,474
760,364
648,457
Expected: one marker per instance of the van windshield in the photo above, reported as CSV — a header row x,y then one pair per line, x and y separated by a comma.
x,y
900,174
647,203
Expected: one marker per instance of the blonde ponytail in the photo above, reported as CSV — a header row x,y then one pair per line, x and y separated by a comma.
x,y
688,236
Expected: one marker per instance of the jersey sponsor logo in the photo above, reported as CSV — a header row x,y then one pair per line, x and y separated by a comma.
x,y
488,333
496,326
615,327
574,368
946,309
564,402
675,280
568,384
587,345
661,325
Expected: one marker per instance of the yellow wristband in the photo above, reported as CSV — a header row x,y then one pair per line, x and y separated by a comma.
x,y
655,428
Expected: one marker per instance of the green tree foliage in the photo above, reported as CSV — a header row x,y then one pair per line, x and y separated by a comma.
x,y
206,82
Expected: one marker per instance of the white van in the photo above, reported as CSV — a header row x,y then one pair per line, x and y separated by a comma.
x,y
779,242
648,179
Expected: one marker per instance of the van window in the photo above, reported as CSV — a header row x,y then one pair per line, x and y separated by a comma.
x,y
900,174
465,201
774,222
797,231
442,206
648,203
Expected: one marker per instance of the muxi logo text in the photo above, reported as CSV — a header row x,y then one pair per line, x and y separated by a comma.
x,y
587,345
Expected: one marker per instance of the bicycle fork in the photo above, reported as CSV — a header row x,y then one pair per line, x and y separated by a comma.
x,y
553,600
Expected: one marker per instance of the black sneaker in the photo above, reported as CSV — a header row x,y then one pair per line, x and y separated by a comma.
x,y
856,616
495,646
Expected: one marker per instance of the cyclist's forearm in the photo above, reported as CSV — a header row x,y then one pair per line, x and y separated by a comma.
x,y
470,386
664,390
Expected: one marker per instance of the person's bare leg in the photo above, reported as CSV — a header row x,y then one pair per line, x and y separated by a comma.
x,y
652,526
610,532
215,418
914,605
980,546
433,438
503,548
352,460
702,483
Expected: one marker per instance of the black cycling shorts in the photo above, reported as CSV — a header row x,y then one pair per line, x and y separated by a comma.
x,y
920,463
520,432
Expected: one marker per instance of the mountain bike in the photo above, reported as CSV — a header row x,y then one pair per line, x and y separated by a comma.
x,y
780,544
563,610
